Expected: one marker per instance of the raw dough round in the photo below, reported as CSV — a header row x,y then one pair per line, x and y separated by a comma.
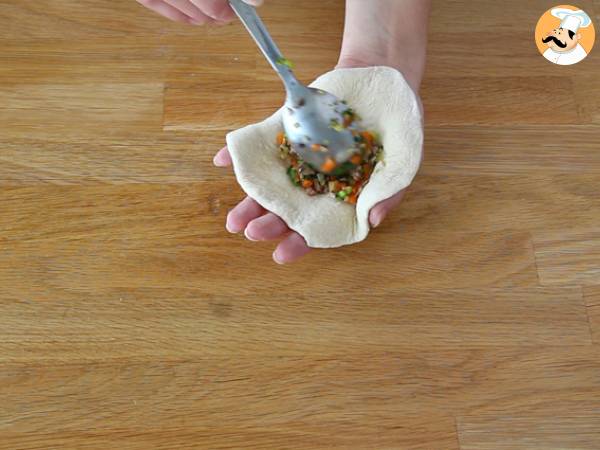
x,y
388,106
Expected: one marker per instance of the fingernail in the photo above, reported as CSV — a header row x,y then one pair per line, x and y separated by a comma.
x,y
376,221
216,161
228,227
276,259
248,236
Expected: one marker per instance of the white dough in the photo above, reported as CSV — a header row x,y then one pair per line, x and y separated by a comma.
x,y
388,106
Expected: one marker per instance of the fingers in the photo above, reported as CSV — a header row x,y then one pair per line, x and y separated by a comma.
x,y
218,10
242,214
222,158
269,227
189,9
382,209
166,10
293,246
196,12
290,249
266,228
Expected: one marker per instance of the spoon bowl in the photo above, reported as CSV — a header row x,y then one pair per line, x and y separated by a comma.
x,y
313,123
313,119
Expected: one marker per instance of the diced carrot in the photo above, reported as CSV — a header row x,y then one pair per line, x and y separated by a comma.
x,y
315,147
356,159
328,165
280,138
368,137
307,183
352,198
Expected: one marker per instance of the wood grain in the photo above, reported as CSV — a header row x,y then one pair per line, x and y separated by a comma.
x,y
568,257
498,101
592,295
356,390
181,226
527,203
554,432
185,104
112,59
495,53
149,157
495,44
512,150
587,92
144,323
596,5
131,319
592,301
457,15
97,109
407,434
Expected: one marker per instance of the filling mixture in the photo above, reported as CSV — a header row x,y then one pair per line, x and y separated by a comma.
x,y
347,180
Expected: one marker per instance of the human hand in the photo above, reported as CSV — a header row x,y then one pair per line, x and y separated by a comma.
x,y
259,224
195,12
379,32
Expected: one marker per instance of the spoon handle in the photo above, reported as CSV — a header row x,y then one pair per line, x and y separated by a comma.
x,y
263,39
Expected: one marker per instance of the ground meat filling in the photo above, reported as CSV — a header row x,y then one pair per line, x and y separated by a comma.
x,y
346,181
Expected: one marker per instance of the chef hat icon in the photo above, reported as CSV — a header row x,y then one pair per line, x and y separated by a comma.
x,y
571,20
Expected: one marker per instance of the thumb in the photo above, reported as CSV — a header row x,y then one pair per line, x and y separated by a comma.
x,y
254,2
382,209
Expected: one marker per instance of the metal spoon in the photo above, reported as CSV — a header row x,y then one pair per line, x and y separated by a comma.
x,y
312,118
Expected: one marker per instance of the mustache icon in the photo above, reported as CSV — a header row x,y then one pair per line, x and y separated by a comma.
x,y
555,40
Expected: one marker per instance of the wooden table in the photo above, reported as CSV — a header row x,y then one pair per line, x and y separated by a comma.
x,y
130,318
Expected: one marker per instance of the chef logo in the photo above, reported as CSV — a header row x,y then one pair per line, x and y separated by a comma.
x,y
565,35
